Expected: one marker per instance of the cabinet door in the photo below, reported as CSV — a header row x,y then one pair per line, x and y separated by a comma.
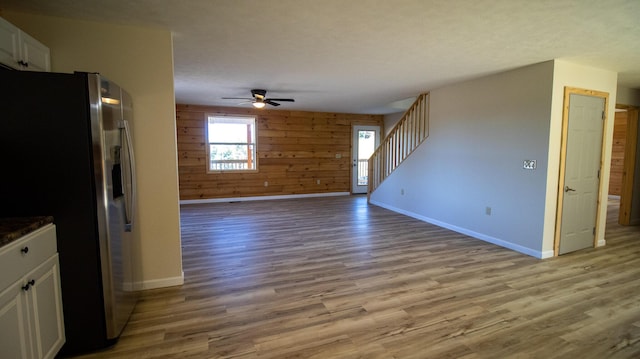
x,y
14,323
9,44
35,56
45,302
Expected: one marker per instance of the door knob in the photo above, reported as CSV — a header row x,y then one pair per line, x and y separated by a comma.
x,y
568,189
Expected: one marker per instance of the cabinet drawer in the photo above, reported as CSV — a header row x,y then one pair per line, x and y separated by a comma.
x,y
26,253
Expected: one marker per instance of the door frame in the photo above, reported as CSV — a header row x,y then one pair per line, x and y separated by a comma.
x,y
378,139
568,91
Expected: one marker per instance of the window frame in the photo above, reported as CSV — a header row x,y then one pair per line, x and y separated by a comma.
x,y
254,123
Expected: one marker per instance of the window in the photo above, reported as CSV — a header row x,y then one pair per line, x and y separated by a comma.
x,y
232,143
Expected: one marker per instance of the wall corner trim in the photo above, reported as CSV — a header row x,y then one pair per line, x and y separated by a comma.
x,y
546,254
484,237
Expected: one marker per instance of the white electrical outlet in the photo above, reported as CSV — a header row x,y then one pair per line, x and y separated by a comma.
x,y
317,181
266,184
529,164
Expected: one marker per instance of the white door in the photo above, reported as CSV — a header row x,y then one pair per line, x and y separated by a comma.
x,y
582,172
365,140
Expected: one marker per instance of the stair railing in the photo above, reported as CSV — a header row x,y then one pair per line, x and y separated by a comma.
x,y
410,131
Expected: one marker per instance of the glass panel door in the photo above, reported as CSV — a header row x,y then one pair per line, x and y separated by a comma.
x,y
365,140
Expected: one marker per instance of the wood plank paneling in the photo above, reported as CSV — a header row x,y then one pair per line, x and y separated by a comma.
x,y
617,153
629,212
295,150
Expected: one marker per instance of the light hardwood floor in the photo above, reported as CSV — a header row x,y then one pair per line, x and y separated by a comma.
x,y
338,278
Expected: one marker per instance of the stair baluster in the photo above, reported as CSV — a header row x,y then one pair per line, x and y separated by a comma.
x,y
402,140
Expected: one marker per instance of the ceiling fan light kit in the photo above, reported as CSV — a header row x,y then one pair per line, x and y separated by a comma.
x,y
259,99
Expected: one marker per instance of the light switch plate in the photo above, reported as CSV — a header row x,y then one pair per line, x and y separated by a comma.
x,y
529,164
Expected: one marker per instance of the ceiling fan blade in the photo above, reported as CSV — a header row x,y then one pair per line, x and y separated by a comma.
x,y
260,96
280,99
271,102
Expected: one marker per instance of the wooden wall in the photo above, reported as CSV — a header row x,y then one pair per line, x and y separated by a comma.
x,y
617,153
295,150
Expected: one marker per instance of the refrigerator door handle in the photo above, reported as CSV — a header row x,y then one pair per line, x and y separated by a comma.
x,y
130,191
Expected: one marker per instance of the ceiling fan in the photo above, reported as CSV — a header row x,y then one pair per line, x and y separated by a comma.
x,y
259,99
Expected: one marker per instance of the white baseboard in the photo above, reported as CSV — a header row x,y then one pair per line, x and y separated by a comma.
x,y
484,237
155,283
262,198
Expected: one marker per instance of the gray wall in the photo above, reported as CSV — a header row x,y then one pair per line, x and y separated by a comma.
x,y
627,96
480,133
391,120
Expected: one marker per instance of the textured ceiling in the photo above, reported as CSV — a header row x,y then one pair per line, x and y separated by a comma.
x,y
365,56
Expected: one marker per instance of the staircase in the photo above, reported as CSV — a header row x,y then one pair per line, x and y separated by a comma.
x,y
402,140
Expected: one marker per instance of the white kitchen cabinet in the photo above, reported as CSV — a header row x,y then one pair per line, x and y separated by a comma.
x,y
20,51
31,321
14,326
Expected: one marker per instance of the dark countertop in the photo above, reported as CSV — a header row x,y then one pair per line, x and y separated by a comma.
x,y
14,228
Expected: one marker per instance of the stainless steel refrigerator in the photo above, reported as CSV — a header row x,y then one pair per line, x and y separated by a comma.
x,y
66,151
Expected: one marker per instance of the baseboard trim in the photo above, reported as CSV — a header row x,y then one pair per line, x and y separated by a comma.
x,y
262,198
601,242
156,283
470,233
